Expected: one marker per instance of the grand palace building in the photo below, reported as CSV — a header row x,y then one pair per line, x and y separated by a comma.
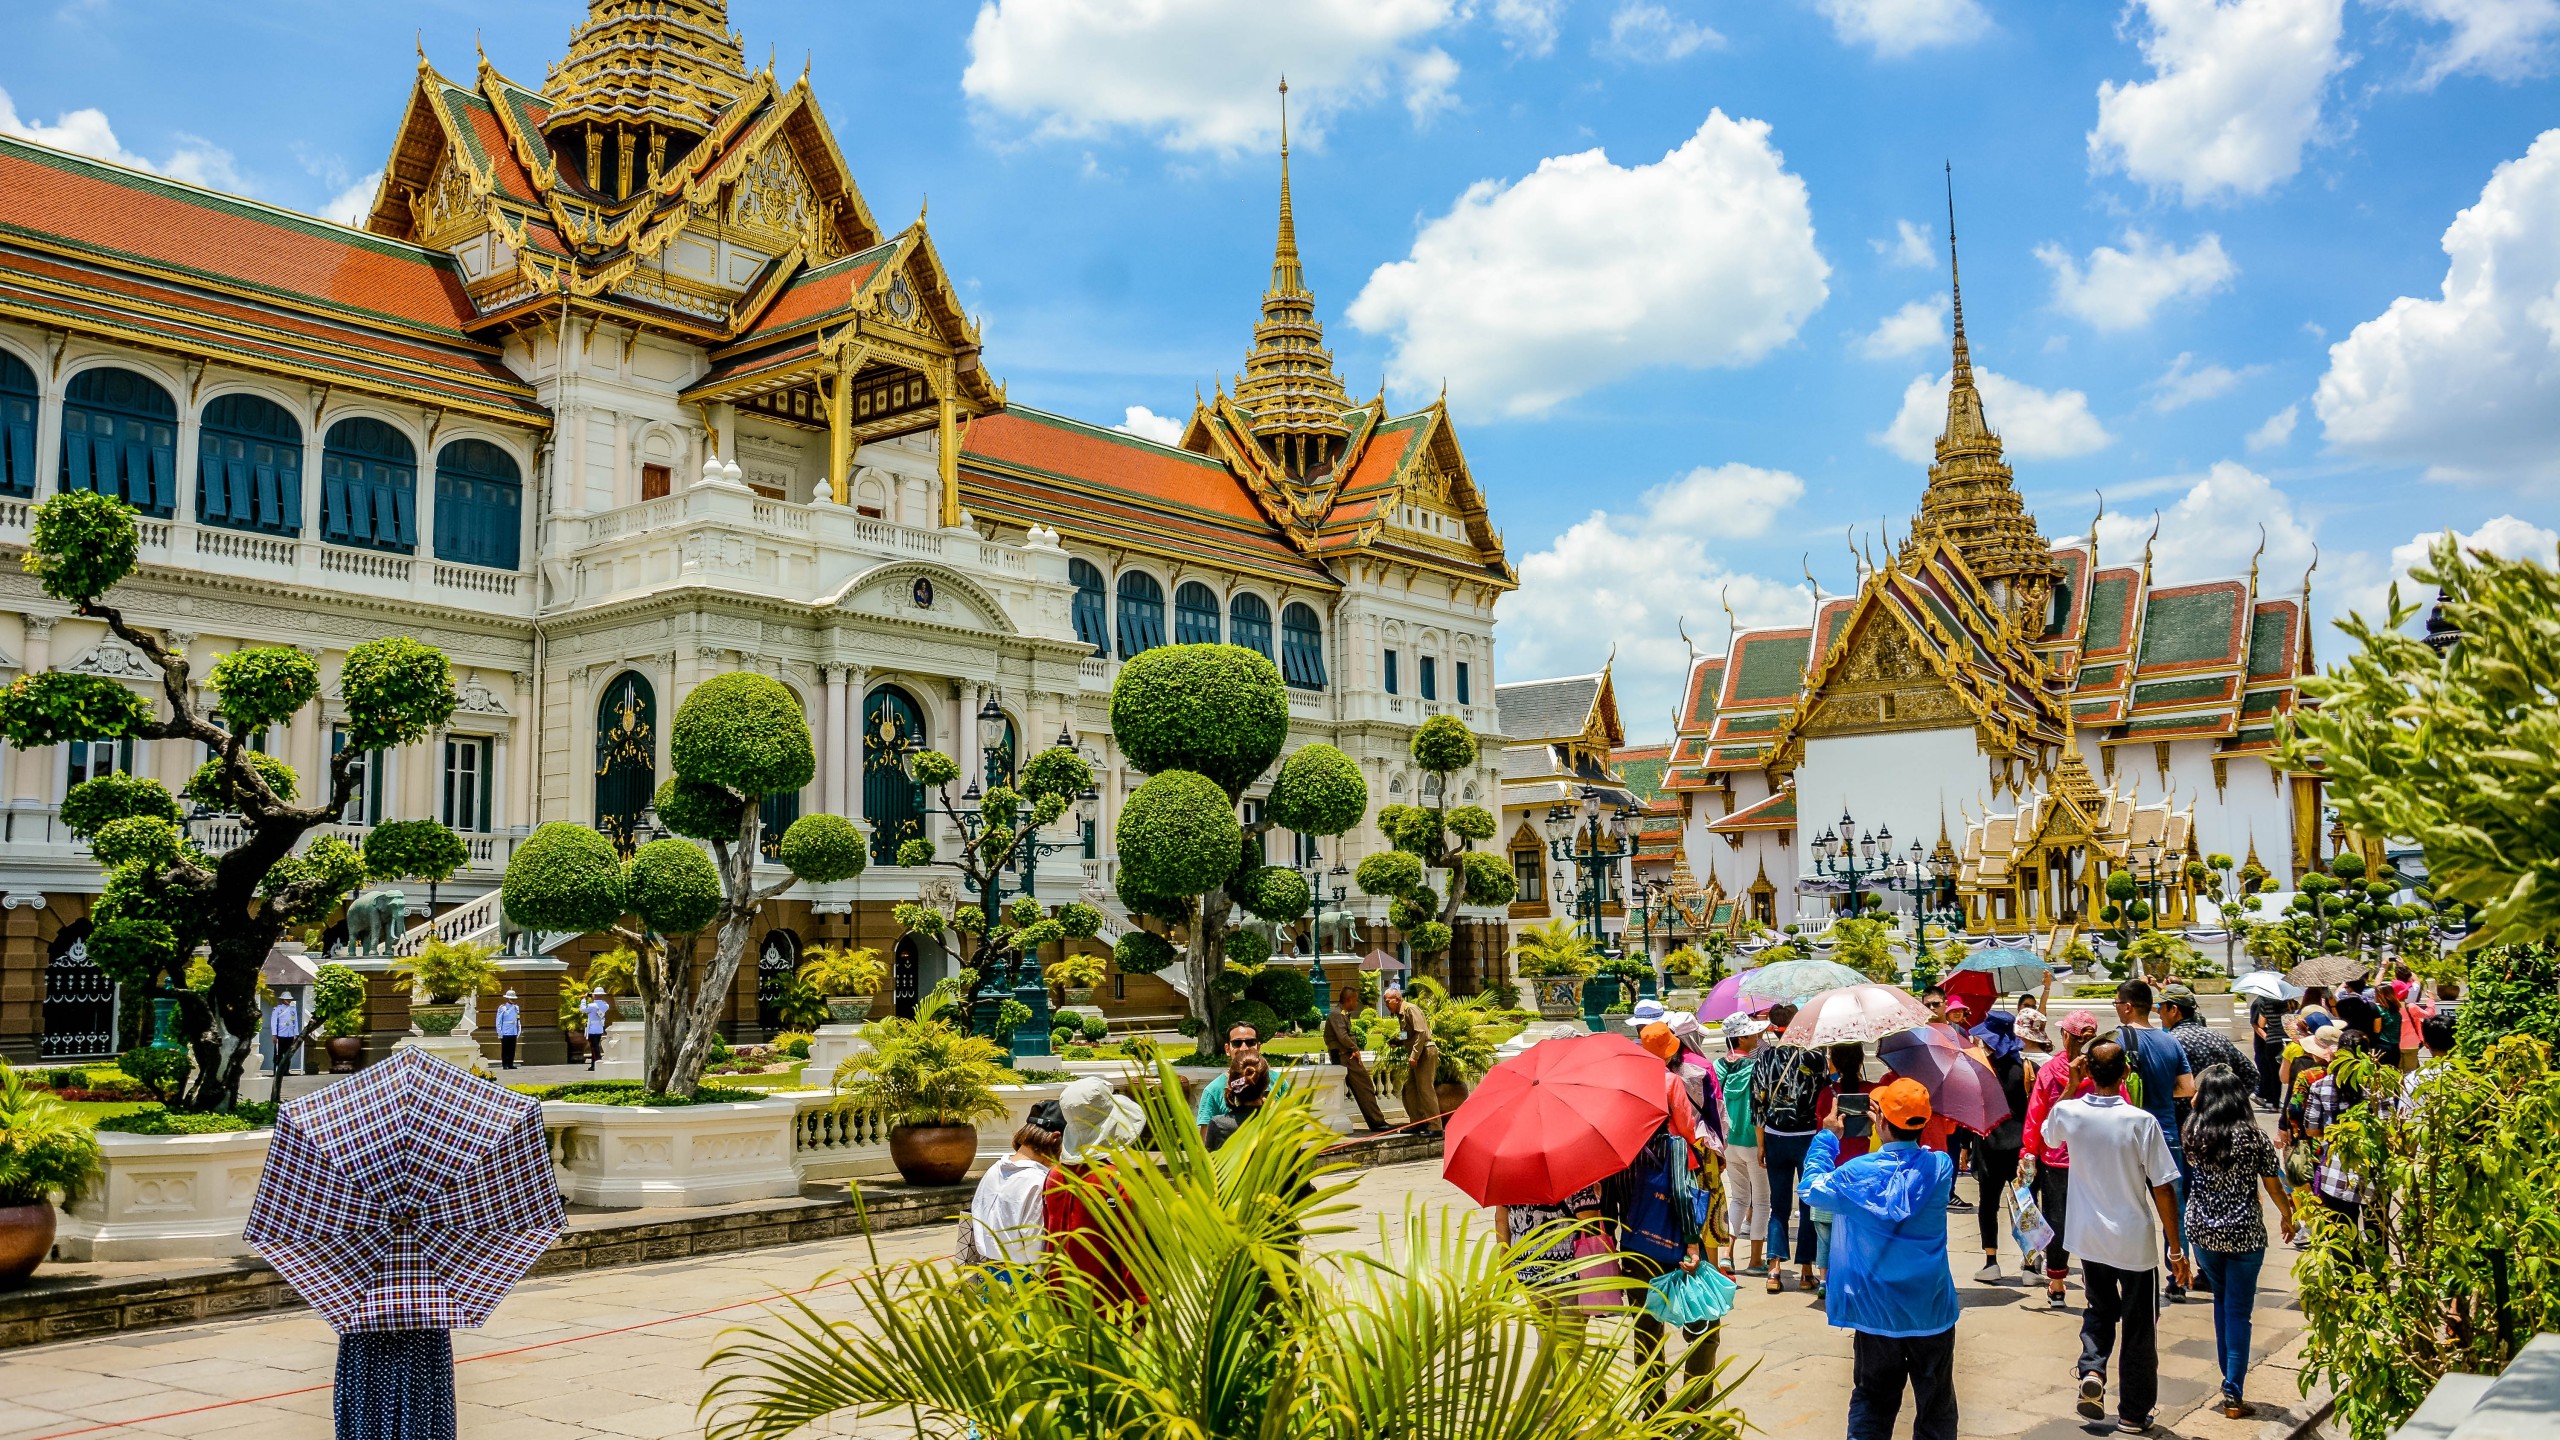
x,y
621,385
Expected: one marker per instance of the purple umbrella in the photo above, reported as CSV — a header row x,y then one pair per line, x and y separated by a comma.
x,y
1960,1086
1727,999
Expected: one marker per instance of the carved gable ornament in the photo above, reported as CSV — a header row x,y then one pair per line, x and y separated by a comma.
x,y
1885,683
479,699
115,659
774,196
910,593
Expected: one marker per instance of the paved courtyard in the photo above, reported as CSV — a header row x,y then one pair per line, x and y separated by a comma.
x,y
618,1354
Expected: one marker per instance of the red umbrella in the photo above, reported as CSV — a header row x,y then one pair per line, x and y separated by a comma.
x,y
1960,1086
1561,1115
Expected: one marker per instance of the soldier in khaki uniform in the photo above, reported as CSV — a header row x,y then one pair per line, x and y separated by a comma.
x,y
1342,1043
1422,1061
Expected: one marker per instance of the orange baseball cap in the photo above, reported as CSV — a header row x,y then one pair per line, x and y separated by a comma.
x,y
1903,1103
1657,1037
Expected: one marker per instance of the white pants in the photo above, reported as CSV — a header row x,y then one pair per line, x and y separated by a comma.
x,y
1746,1192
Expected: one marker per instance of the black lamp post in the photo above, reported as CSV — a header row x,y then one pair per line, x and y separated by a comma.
x,y
2148,870
1858,862
1650,897
1594,838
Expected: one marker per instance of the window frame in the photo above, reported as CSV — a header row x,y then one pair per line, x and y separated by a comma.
x,y
157,452
349,472
1140,616
1302,646
273,483
1256,631
481,793
1194,623
1092,606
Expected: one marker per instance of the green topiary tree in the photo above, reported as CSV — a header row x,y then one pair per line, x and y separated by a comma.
x,y
1436,838
737,739
1205,722
414,850
164,895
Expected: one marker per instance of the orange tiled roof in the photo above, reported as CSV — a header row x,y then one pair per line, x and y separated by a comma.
x,y
819,292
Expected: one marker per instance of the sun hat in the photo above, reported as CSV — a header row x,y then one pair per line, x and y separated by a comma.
x,y
2080,1022
2182,996
1738,1026
1903,1103
2323,1043
1684,1023
1657,1038
1647,1012
597,991
510,995
1097,1118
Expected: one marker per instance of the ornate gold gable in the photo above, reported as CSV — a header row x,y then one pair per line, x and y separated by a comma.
x,y
1885,681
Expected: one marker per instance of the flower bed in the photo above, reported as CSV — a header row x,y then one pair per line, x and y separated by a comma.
x,y
630,1092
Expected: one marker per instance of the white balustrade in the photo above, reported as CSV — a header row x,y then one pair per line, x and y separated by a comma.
x,y
367,564
235,545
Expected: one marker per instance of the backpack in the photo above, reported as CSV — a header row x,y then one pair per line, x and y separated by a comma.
x,y
1784,1087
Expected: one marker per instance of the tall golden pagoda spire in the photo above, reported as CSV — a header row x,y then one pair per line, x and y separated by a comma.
x,y
1289,387
641,76
1972,500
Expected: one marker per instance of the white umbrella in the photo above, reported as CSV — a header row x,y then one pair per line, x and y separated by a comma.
x,y
1855,1012
2265,985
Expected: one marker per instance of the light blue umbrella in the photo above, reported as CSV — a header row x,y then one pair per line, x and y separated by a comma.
x,y
1793,982
2010,968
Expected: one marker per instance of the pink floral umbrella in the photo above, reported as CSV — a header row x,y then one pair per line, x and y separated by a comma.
x,y
1727,999
1855,1012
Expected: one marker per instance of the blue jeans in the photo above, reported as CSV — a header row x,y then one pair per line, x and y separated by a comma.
x,y
2233,1274
1785,1157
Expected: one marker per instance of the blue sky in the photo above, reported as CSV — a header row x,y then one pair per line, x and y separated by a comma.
x,y
1681,263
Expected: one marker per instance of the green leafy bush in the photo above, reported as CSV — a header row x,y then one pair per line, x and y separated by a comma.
x,y
617,970
792,1043
1076,971
1444,745
1178,833
1093,1028
1215,710
1319,791
413,849
1275,893
337,1001
698,811
261,687
1247,948
565,877
2515,990
83,545
744,732
92,805
446,970
1290,995
823,849
673,887
632,1092
396,690
1264,1020
921,1071
46,1153
160,1072
843,970
1557,948
211,786
156,1121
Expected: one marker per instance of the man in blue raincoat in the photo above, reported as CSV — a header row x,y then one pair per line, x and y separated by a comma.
x,y
1889,1282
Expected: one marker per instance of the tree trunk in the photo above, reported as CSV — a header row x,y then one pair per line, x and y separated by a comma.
x,y
1205,962
223,1028
689,1012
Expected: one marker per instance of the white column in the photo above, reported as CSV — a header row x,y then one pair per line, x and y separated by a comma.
x,y
850,680
974,766
314,444
841,749
501,801
36,767
426,496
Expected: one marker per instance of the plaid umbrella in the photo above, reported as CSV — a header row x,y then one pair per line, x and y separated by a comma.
x,y
411,1197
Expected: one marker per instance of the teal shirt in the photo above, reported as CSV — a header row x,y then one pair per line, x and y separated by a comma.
x,y
1213,1101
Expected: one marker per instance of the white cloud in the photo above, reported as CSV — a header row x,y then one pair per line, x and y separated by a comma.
x,y
1528,26
1526,294
1918,326
1640,31
2467,385
2184,384
2277,432
2213,529
1899,27
2505,536
1148,425
1198,74
2122,289
2502,39
1645,571
196,160
1911,245
2032,424
2235,94
351,205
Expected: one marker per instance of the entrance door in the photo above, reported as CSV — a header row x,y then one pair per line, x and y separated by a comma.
x,y
907,976
891,724
626,758
79,1001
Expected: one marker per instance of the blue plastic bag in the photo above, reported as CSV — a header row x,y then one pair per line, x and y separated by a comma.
x,y
1689,1298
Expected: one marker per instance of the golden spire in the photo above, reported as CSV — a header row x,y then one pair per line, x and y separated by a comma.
x,y
1972,499
641,66
1289,387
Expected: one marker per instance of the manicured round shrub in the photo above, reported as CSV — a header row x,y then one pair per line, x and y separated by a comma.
x,y
261,687
743,731
308,886
1215,710
54,706
918,851
396,690
1408,913
1275,892
1472,822
823,848
933,769
1264,1020
1228,985
1289,993
92,804
1178,833
1444,744
1170,909
1428,938
564,877
210,787
1247,947
1142,952
1319,791
698,811
136,840
1389,872
1057,771
133,951
1489,880
82,544
674,887
413,849
1079,920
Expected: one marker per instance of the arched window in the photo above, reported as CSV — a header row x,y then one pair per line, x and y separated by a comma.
x,y
479,497
1141,613
17,427
892,724
1249,622
249,466
369,487
1195,614
120,438
1093,607
1302,648
626,758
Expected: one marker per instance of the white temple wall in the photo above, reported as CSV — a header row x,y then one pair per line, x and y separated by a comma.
x,y
1908,780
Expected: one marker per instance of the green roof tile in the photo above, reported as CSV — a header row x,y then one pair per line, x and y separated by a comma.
x,y
2182,629
1772,667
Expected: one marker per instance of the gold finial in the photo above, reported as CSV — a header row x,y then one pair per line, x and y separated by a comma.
x,y
1955,281
2147,543
1806,562
421,43
2253,559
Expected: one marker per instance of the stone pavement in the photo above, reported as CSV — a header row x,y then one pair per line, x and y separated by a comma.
x,y
619,1354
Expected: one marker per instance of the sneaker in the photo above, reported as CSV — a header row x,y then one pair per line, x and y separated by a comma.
x,y
2175,1293
1959,1207
1989,1274
2133,1427
2093,1396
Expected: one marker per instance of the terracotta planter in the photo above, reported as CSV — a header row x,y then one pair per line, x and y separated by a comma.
x,y
345,1053
848,1009
26,1236
436,1020
1559,997
933,1154
1453,1093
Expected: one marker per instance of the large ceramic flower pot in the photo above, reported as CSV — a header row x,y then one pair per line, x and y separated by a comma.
x,y
26,1234
933,1154
1453,1093
848,1009
1559,997
435,1020
345,1052
1079,994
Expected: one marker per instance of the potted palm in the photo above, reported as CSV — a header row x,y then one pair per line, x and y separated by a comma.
x,y
1076,976
618,971
337,1011
932,1084
443,973
848,978
1555,958
45,1152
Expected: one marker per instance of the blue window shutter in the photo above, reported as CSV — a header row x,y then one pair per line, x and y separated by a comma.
x,y
163,463
17,446
76,472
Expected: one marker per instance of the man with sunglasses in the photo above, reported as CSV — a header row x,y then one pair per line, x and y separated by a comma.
x,y
1244,1044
